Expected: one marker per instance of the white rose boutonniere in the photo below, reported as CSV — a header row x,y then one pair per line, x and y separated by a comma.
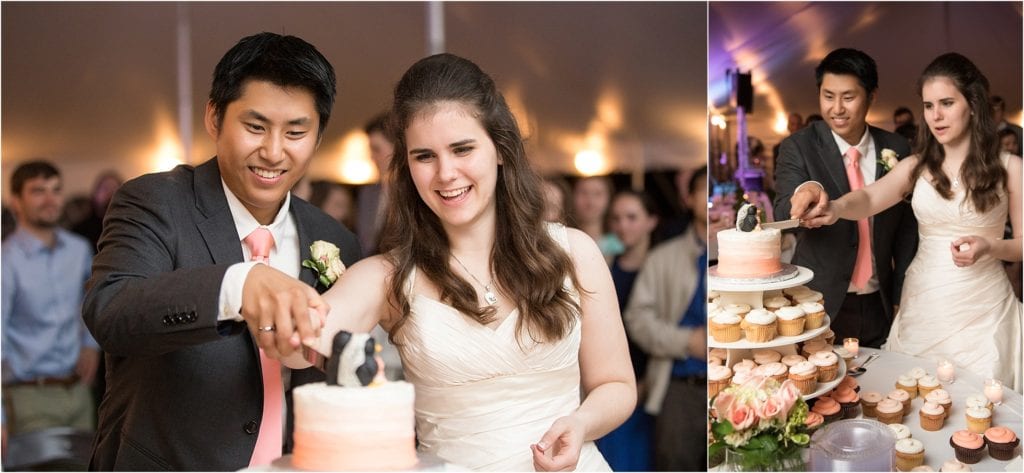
x,y
887,159
325,261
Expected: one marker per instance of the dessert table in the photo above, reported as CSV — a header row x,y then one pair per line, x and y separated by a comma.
x,y
881,376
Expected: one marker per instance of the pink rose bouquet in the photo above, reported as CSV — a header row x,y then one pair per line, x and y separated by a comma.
x,y
760,424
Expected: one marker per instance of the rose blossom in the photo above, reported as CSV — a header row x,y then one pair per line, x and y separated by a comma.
x,y
741,416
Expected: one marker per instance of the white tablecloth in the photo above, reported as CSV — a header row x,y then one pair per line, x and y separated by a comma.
x,y
881,376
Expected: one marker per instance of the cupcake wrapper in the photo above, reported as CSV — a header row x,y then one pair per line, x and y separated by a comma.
x,y
815,320
761,333
967,455
978,426
894,418
806,386
828,373
791,328
725,333
907,461
912,390
1002,451
869,409
932,423
849,410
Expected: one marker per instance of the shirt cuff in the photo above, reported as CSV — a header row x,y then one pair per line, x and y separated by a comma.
x,y
231,286
808,182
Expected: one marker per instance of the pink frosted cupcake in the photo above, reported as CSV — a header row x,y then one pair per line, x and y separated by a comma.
x,y
790,360
848,400
719,378
849,382
932,416
805,376
901,396
868,401
813,421
1001,442
828,408
968,446
745,364
889,411
765,356
775,370
827,363
941,397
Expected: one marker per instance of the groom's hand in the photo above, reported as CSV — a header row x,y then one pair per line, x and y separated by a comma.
x,y
809,201
277,307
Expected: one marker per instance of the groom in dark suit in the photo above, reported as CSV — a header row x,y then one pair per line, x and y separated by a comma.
x,y
194,316
861,301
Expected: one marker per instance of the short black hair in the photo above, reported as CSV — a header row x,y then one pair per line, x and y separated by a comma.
x,y
853,62
31,170
286,61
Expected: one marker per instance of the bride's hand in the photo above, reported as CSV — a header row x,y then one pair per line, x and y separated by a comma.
x,y
823,216
966,250
559,448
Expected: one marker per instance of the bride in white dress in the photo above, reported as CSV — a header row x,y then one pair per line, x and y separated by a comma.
x,y
957,303
507,326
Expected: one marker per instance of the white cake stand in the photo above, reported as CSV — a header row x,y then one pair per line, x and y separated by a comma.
x,y
750,291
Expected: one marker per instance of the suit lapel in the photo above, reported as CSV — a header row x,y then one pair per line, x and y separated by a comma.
x,y
830,157
300,216
218,229
880,144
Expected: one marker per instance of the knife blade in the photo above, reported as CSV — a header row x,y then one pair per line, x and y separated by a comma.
x,y
317,359
782,224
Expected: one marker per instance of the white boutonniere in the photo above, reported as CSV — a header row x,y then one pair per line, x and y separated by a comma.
x,y
887,159
325,261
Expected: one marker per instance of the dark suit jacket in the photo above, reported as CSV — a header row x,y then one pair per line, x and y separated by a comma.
x,y
183,392
811,154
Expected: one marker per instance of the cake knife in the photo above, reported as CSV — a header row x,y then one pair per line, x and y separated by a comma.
x,y
782,224
318,360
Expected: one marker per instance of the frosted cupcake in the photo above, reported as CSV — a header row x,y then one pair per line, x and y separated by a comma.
x,y
739,309
715,361
790,360
813,421
955,465
774,293
845,355
828,408
828,365
979,419
1001,442
849,382
742,377
927,384
813,346
725,327
719,378
907,383
830,336
810,296
941,397
978,400
932,416
774,370
917,372
764,356
968,446
775,303
868,401
815,315
713,307
848,400
889,411
909,453
793,292
719,352
761,326
902,397
791,321
713,295
900,431
745,364
805,376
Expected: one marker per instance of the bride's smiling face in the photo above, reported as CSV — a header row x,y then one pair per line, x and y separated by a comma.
x,y
946,111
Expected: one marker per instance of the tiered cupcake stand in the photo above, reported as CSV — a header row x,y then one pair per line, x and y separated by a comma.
x,y
751,292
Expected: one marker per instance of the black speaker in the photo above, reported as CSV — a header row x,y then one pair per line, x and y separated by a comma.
x,y
742,93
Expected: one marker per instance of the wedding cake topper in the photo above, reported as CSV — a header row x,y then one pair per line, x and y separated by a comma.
x,y
747,218
352,363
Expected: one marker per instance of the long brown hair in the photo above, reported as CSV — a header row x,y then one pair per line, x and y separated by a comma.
x,y
982,172
529,266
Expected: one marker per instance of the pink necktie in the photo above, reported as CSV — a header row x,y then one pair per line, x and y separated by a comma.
x,y
862,269
268,443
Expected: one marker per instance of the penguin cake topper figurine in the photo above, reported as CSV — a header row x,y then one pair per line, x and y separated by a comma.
x,y
747,218
352,363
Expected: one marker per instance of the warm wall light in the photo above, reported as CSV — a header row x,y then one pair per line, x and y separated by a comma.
x,y
781,125
589,162
167,156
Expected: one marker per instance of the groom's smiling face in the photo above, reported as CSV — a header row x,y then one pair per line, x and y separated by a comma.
x,y
264,144
844,104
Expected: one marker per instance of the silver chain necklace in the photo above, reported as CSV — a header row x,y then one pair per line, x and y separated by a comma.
x,y
488,288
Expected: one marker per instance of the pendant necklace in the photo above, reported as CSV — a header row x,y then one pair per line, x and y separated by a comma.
x,y
488,288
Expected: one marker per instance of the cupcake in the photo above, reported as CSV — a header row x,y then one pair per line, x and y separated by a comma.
x,y
810,296
793,292
909,453
979,419
715,361
1001,442
849,382
941,397
739,309
805,376
828,408
773,293
903,398
719,378
830,336
813,421
712,295
978,400
955,465
745,364
848,400
927,384
815,315
845,355
719,352
968,446
889,411
790,360
765,356
742,377
907,383
761,326
932,416
917,372
868,401
791,321
900,431
775,370
775,303
725,327
828,365
713,308
813,346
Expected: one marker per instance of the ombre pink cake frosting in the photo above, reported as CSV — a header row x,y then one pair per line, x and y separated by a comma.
x,y
749,254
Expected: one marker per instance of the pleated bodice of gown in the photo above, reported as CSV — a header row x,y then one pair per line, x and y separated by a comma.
x,y
482,398
968,315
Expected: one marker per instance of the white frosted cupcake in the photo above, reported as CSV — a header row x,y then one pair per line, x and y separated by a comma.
x,y
804,376
827,363
745,364
810,296
979,419
774,303
793,292
907,383
917,372
713,306
725,327
909,453
844,354
955,465
942,398
719,378
775,370
815,315
922,468
791,321
927,384
978,400
773,293
763,356
790,360
741,377
761,326
738,309
900,431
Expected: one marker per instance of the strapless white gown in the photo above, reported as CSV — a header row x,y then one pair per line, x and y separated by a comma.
x,y
967,315
481,399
